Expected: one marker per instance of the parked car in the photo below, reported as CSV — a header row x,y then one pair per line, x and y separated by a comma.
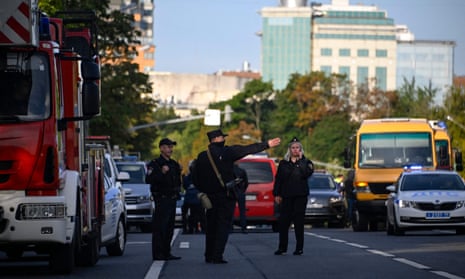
x,y
325,203
424,200
113,234
139,204
259,200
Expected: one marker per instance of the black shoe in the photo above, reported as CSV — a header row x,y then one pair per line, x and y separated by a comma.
x,y
208,260
171,257
159,258
219,261
279,252
298,252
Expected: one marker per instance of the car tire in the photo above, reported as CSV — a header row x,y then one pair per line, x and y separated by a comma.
x,y
360,222
389,227
460,231
117,247
274,227
395,227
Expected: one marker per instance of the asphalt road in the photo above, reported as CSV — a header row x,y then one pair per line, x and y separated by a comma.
x,y
328,253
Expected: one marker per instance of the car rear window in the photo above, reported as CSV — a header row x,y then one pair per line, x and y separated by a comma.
x,y
258,172
321,182
432,182
136,172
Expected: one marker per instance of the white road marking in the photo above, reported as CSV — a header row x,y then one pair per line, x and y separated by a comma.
x,y
447,275
357,245
385,254
412,263
381,253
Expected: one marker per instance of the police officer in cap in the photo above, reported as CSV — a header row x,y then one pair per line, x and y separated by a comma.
x,y
164,177
220,216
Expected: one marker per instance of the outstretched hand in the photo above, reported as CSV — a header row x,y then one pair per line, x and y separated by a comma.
x,y
274,142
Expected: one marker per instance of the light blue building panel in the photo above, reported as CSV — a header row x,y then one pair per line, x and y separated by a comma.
x,y
285,48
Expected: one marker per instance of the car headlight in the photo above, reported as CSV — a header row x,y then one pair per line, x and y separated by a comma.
x,y
459,204
335,199
142,199
406,204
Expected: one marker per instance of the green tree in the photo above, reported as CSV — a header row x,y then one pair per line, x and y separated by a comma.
x,y
414,101
330,136
454,106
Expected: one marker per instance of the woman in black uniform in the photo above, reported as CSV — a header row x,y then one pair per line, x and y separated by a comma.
x,y
291,192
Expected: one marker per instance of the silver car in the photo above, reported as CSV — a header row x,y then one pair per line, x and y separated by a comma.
x,y
139,204
113,233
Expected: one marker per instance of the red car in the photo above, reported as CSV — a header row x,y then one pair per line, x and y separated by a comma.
x,y
260,205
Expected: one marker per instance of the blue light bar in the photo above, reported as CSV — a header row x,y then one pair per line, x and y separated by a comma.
x,y
442,124
44,27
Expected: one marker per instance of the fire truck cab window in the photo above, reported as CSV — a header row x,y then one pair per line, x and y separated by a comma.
x,y
25,83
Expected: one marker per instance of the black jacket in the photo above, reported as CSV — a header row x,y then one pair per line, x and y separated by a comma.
x,y
242,175
168,184
291,178
205,178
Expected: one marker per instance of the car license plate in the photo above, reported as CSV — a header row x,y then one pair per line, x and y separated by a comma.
x,y
437,215
250,197
314,205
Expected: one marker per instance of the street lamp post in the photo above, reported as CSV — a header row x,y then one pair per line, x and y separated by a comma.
x,y
455,122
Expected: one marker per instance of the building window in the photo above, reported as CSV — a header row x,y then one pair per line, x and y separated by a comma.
x,y
381,76
326,69
326,52
381,53
362,53
345,70
362,76
344,52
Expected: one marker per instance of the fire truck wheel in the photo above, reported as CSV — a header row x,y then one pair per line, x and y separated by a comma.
x,y
118,246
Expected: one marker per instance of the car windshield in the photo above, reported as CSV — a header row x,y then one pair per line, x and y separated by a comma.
x,y
388,150
321,182
432,182
257,172
136,172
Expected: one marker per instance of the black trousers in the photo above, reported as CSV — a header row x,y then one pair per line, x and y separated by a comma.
x,y
163,226
219,221
292,210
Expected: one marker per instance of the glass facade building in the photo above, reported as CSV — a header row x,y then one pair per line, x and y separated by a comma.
x,y
428,63
285,44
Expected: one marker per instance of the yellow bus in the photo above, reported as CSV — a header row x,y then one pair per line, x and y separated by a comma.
x,y
446,156
380,151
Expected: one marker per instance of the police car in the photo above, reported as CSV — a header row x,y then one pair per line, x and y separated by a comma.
x,y
424,200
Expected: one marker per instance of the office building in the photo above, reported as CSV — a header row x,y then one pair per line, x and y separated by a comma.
x,y
359,41
143,11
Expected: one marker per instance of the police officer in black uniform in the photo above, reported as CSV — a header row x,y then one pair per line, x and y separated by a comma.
x,y
291,193
220,216
164,177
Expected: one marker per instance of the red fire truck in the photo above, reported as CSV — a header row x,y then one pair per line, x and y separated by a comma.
x,y
51,181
